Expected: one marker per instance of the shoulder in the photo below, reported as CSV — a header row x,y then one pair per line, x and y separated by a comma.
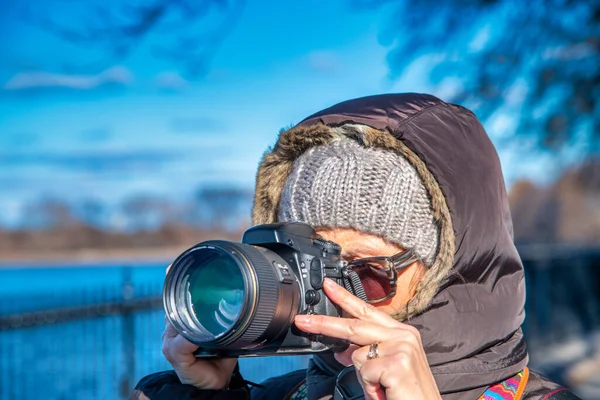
x,y
278,387
167,386
540,387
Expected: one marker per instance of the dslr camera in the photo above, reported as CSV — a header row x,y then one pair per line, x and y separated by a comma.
x,y
240,299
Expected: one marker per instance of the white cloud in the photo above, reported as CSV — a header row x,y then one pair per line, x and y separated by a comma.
x,y
40,79
416,75
448,88
481,39
170,81
323,61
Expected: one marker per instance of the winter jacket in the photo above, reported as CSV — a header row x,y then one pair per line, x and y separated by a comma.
x,y
469,306
166,386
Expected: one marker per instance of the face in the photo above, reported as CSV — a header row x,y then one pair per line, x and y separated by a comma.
x,y
359,245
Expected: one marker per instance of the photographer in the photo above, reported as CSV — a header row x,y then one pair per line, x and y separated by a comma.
x,y
381,176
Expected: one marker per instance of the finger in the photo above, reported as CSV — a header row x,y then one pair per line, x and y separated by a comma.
x,y
179,351
370,376
169,331
226,365
384,349
355,306
215,373
176,348
182,348
372,390
403,375
360,356
352,329
345,357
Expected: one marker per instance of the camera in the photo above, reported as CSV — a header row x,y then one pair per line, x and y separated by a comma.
x,y
240,299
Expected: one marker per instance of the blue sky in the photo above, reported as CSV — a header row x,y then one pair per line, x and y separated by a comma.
x,y
141,124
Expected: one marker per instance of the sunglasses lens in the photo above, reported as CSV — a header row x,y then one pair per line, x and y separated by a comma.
x,y
375,277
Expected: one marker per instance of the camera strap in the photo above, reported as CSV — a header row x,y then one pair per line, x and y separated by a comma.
x,y
354,285
347,386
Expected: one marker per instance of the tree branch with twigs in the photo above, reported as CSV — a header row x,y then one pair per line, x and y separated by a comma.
x,y
186,33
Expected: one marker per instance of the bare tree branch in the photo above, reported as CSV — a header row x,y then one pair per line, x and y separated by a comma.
x,y
553,46
182,31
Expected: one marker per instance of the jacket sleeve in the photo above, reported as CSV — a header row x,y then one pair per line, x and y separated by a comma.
x,y
540,387
279,387
166,386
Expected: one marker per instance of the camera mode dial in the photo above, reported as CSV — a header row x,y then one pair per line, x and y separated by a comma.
x,y
328,246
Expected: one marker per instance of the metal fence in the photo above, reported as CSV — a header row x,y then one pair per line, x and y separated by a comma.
x,y
562,323
93,343
563,291
84,343
97,343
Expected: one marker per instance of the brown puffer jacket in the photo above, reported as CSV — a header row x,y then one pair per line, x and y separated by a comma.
x,y
469,305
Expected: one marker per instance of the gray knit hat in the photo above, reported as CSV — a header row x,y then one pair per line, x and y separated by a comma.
x,y
345,185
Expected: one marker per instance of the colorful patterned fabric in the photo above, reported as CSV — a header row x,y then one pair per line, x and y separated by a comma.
x,y
509,389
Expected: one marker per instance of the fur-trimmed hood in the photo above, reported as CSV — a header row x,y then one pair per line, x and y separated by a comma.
x,y
469,305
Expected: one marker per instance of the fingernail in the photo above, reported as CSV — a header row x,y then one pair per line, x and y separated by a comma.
x,y
329,283
303,319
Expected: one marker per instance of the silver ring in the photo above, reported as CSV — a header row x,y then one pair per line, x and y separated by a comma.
x,y
373,351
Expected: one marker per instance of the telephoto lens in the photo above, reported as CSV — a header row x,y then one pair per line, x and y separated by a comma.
x,y
240,299
228,295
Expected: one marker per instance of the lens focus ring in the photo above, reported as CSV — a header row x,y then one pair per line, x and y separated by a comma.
x,y
266,293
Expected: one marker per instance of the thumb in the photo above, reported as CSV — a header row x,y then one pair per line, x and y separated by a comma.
x,y
345,357
169,332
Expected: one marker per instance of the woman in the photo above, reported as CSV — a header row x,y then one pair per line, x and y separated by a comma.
x,y
380,176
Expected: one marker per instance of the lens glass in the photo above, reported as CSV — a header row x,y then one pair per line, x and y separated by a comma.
x,y
215,291
375,274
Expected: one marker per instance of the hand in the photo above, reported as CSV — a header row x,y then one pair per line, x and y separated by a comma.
x,y
400,372
213,373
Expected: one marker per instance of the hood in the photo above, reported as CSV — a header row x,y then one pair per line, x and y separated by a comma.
x,y
469,305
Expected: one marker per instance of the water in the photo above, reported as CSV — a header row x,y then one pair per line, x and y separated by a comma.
x,y
24,279
94,357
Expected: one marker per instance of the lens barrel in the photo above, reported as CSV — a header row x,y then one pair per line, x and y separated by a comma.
x,y
227,296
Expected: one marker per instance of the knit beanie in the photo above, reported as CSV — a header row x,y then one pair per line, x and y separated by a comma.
x,y
345,185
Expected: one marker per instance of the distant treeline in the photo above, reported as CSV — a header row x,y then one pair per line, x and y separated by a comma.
x,y
567,211
25,243
141,223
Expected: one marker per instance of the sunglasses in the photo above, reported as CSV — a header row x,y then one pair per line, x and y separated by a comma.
x,y
377,276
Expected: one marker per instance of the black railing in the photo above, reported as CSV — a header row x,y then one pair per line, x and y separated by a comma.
x,y
84,343
563,291
92,343
96,343
67,314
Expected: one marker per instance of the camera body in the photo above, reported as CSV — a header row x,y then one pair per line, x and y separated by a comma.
x,y
284,266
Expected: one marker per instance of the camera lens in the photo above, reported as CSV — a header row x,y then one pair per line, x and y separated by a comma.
x,y
229,296
215,292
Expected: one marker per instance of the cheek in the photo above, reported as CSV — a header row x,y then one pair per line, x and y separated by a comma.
x,y
394,305
402,297
388,306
